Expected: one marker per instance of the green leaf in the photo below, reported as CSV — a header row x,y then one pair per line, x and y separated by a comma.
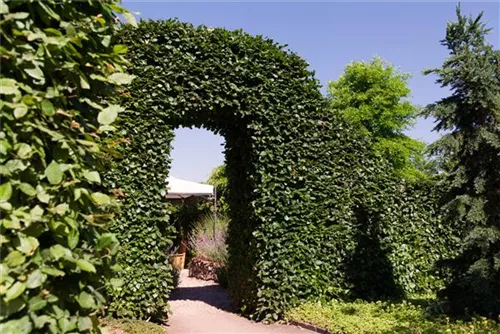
x,y
106,128
54,173
27,189
116,282
4,147
86,300
107,240
61,209
4,9
17,16
36,213
50,12
130,18
58,251
20,111
73,238
8,87
36,73
35,279
84,324
120,78
14,259
85,265
120,48
27,245
11,307
53,271
109,114
48,108
24,151
92,176
5,192
84,82
42,195
100,198
37,303
15,291
17,326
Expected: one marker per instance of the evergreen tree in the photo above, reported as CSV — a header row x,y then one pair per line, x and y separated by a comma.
x,y
471,147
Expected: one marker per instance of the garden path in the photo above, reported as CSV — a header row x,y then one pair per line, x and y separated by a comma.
x,y
203,307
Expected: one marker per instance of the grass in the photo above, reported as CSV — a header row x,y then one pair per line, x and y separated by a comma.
x,y
130,326
361,317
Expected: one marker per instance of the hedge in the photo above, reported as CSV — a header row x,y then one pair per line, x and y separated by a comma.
x,y
309,201
58,67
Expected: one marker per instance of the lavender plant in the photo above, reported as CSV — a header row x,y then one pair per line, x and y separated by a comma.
x,y
208,242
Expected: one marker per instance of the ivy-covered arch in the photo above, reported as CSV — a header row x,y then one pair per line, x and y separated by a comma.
x,y
297,175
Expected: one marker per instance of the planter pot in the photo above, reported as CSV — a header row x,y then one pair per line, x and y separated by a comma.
x,y
178,260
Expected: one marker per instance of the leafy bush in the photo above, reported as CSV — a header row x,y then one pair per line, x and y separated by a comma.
x,y
207,244
383,317
59,68
131,326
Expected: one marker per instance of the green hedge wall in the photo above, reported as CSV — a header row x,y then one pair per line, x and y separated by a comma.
x,y
310,203
58,64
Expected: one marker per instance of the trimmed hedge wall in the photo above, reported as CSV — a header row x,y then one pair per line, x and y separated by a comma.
x,y
58,67
314,213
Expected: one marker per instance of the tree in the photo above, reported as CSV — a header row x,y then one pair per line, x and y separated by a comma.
x,y
374,95
471,115
218,178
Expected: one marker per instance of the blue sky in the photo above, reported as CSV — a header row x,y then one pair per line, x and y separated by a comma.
x,y
328,35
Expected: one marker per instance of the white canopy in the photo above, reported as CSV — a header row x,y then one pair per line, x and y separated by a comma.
x,y
179,189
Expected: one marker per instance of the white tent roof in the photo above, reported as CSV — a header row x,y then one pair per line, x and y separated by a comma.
x,y
178,189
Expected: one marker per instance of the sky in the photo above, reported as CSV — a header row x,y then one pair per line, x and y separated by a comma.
x,y
328,35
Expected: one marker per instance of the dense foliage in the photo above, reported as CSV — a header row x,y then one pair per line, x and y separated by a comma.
x,y
471,116
309,203
360,317
58,66
375,95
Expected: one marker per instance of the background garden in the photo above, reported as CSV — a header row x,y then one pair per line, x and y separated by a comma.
x,y
335,216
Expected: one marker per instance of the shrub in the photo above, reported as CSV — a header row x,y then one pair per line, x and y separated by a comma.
x,y
383,317
59,68
208,245
131,326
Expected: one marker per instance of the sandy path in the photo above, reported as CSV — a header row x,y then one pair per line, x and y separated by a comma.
x,y
202,307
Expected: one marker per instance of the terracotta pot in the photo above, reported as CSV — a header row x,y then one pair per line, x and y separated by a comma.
x,y
178,260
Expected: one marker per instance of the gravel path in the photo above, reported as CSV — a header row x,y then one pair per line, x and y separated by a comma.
x,y
203,307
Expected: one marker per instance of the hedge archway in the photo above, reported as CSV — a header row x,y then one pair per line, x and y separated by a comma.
x,y
297,174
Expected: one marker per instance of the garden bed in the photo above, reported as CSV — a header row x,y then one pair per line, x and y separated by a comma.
x,y
361,317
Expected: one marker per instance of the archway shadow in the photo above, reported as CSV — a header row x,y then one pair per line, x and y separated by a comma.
x,y
207,292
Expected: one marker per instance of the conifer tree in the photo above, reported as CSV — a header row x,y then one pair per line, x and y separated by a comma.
x,y
471,118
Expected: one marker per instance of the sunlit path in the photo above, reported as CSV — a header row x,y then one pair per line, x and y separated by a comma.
x,y
203,307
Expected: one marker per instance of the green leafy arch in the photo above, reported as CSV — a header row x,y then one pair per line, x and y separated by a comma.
x,y
297,174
